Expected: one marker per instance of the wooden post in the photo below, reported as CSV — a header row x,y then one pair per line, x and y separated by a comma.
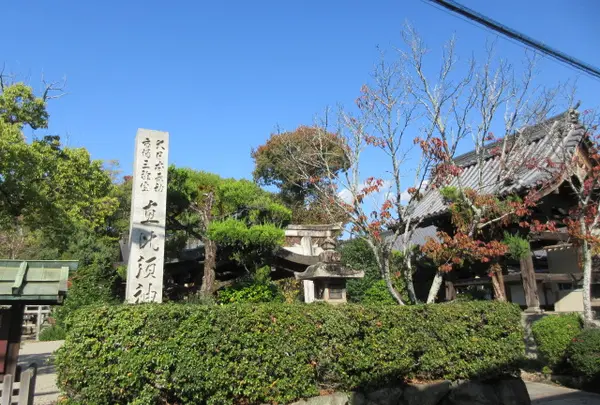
x,y
7,390
450,291
27,385
14,338
529,284
38,322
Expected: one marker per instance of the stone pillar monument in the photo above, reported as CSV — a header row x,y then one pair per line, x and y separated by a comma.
x,y
148,216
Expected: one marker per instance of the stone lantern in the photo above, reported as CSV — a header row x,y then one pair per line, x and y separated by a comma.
x,y
329,275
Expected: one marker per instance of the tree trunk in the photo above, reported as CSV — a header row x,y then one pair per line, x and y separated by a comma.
x,y
498,284
435,287
210,264
529,284
408,279
586,252
210,249
388,282
383,262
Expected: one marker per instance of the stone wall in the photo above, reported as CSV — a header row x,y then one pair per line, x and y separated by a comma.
x,y
502,391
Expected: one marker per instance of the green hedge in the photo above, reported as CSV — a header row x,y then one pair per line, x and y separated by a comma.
x,y
276,353
583,354
552,335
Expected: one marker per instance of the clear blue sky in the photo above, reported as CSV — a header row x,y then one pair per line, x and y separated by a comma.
x,y
220,75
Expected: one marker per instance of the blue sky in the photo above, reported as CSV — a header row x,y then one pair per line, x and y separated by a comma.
x,y
221,75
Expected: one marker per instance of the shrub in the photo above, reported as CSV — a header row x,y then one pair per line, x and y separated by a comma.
x,y
276,353
95,281
357,254
54,332
257,288
583,353
249,292
552,336
290,289
378,293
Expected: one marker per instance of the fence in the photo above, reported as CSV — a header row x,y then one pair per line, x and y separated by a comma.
x,y
34,317
25,391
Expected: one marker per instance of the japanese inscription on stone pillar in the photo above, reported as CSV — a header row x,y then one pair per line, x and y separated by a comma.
x,y
148,212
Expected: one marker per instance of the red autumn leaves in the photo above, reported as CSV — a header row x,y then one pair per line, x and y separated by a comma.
x,y
450,252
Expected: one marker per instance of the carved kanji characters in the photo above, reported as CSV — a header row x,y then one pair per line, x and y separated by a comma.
x,y
146,152
149,213
144,294
146,239
146,268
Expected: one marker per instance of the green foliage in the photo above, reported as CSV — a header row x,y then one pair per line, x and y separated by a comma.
x,y
244,218
292,162
291,290
450,193
54,332
232,232
583,354
288,158
251,245
20,106
96,280
117,224
249,292
357,254
552,336
56,203
519,247
378,293
257,288
274,353
47,191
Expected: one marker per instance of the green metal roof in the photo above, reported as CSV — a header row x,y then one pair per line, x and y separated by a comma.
x,y
35,281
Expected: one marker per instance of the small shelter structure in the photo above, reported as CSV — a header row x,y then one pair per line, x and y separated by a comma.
x,y
30,282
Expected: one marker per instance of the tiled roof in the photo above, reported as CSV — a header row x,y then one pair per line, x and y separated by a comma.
x,y
482,172
35,281
418,238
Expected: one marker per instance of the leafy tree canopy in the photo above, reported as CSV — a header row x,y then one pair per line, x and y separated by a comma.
x,y
45,186
56,202
243,218
289,162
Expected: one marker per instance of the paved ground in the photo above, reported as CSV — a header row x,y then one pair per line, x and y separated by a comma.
x,y
46,392
544,394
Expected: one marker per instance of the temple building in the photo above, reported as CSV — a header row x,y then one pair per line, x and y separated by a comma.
x,y
551,278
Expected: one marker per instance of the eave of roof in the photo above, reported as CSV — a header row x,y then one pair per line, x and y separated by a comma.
x,y
35,281
482,172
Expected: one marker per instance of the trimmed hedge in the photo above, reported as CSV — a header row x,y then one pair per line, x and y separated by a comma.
x,y
54,332
275,353
552,335
583,354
